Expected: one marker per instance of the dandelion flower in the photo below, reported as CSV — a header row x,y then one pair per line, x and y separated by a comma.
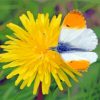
x,y
42,50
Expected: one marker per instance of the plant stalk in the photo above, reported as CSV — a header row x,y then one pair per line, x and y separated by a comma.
x,y
40,95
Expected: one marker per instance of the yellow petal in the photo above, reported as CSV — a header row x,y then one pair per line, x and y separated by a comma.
x,y
57,80
23,84
62,74
31,79
19,32
20,77
70,74
36,84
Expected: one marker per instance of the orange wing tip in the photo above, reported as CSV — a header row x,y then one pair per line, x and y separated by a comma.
x,y
74,19
76,12
79,65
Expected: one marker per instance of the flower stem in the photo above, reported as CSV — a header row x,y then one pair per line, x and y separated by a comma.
x,y
40,95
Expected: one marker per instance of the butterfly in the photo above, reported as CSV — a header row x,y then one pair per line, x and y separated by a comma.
x,y
76,42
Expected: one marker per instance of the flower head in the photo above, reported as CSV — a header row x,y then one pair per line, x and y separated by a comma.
x,y
30,55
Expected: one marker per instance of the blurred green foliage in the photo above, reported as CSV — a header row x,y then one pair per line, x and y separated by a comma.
x,y
88,87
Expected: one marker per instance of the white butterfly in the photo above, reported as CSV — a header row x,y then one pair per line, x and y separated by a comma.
x,y
76,42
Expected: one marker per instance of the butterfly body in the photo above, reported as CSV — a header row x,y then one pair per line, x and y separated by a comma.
x,y
66,47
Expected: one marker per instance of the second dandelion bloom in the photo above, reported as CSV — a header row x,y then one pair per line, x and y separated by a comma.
x,y
45,48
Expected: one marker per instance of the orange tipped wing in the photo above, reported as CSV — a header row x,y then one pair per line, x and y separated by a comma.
x,y
79,60
79,65
74,19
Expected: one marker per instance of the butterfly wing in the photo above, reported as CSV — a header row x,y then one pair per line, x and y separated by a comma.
x,y
75,32
79,60
74,19
79,38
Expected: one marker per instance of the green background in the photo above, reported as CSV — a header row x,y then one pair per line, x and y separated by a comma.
x,y
88,87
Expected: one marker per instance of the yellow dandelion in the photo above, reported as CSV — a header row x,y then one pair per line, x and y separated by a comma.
x,y
30,55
